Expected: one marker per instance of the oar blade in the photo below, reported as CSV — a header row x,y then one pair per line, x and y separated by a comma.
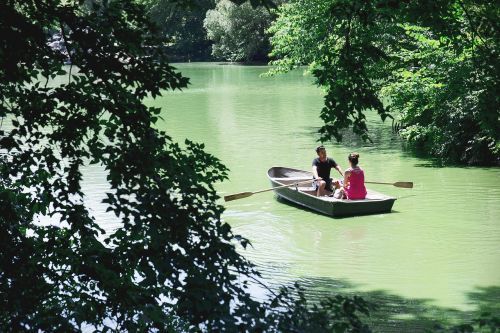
x,y
237,196
404,184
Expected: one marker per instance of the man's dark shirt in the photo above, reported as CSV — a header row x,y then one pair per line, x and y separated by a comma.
x,y
324,167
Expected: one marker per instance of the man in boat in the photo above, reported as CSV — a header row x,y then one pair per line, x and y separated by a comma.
x,y
321,167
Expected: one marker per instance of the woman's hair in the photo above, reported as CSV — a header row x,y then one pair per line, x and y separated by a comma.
x,y
353,157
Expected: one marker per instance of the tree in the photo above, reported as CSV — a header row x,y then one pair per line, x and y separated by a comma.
x,y
429,64
172,245
238,32
182,25
172,265
444,100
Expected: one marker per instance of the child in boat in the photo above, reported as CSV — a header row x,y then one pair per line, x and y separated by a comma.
x,y
354,181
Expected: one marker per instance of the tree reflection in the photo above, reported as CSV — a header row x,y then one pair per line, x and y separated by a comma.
x,y
393,313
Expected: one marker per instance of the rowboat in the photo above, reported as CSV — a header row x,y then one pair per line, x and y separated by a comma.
x,y
304,195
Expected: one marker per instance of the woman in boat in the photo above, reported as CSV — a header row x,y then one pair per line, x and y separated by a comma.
x,y
354,179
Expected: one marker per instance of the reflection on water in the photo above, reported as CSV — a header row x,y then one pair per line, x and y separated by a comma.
x,y
438,248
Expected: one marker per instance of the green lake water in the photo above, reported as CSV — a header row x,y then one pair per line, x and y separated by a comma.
x,y
437,253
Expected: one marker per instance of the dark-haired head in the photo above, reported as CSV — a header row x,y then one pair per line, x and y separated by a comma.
x,y
318,148
353,158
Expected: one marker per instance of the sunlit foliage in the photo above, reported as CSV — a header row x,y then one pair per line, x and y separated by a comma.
x,y
238,32
433,66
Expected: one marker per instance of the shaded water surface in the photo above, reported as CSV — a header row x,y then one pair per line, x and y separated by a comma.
x,y
439,249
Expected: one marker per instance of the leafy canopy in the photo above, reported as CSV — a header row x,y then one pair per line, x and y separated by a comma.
x,y
430,65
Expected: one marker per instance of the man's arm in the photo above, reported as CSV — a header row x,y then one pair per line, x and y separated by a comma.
x,y
315,172
339,169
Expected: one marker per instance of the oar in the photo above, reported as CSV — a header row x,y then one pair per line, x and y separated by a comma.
x,y
397,184
247,194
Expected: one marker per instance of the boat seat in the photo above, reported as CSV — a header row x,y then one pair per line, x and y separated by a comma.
x,y
305,189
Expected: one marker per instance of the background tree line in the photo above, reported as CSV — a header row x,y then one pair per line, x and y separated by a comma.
x,y
213,29
430,66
